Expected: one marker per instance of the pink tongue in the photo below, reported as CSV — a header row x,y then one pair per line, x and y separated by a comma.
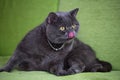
x,y
71,35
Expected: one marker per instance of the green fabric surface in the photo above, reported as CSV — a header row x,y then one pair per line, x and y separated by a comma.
x,y
100,26
17,17
41,75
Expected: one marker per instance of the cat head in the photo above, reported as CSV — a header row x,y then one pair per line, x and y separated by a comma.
x,y
62,26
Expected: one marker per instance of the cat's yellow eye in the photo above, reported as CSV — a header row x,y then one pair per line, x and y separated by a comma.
x,y
62,28
74,26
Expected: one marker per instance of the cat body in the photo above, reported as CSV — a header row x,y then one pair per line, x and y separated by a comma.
x,y
53,47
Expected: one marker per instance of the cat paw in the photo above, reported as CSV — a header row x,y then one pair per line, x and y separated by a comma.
x,y
3,69
61,73
57,71
74,70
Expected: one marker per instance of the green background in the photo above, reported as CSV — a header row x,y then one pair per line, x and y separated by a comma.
x,y
100,28
17,17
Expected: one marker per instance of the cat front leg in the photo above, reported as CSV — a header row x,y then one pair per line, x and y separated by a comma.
x,y
10,65
28,65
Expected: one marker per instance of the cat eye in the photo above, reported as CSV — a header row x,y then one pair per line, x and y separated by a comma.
x,y
74,26
62,28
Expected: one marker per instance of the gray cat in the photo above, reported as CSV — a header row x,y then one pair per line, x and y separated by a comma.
x,y
53,47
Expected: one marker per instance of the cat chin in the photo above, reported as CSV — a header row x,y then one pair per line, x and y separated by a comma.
x,y
70,40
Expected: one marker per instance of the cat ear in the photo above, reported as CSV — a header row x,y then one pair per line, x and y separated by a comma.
x,y
52,18
74,12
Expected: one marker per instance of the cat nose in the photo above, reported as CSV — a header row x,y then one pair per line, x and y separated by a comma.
x,y
71,35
